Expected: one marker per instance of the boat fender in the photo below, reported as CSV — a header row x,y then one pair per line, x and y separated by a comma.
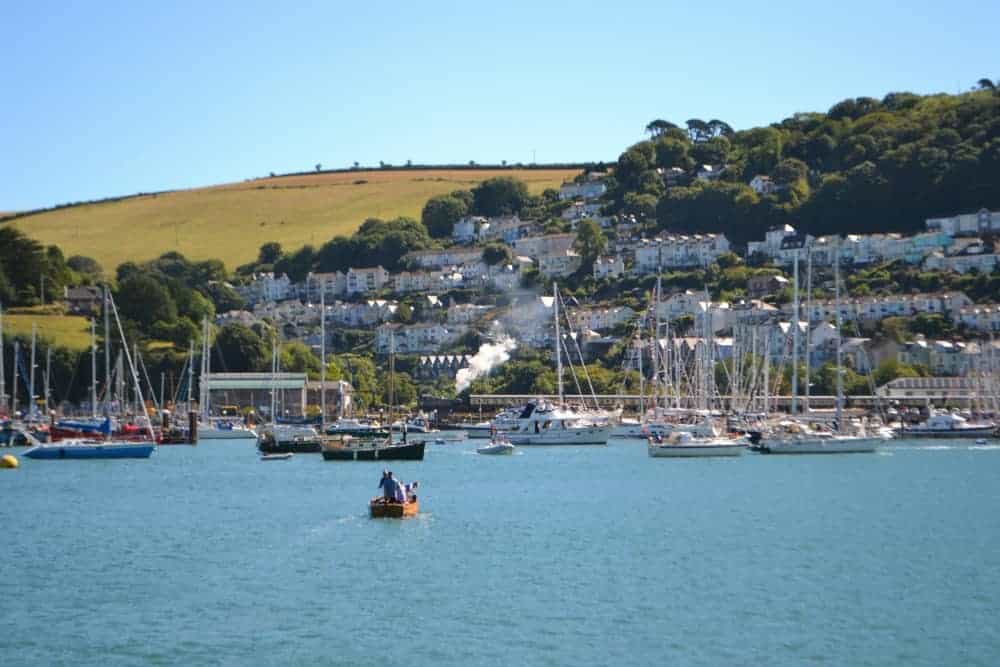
x,y
9,461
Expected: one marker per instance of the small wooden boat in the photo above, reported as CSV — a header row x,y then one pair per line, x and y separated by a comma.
x,y
380,508
276,457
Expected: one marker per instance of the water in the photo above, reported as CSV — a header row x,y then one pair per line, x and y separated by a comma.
x,y
555,556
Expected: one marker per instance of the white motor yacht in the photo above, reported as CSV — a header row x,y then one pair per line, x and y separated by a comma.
x,y
544,424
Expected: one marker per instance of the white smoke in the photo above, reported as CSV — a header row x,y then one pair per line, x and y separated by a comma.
x,y
488,356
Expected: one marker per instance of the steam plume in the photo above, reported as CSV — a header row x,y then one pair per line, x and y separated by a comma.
x,y
488,356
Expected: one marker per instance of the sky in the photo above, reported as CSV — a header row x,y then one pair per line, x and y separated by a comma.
x,y
107,99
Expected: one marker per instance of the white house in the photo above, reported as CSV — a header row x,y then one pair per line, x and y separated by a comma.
x,y
363,281
581,210
678,251
965,224
762,185
600,319
437,259
559,264
586,190
265,287
877,307
609,266
709,172
416,338
357,315
466,229
975,256
465,313
536,246
984,317
332,285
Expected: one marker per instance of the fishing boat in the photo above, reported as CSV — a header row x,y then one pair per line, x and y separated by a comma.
x,y
948,425
276,457
380,508
681,444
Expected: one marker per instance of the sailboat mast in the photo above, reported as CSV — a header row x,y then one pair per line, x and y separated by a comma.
x,y
31,371
322,359
3,386
795,334
642,380
48,371
93,368
836,300
190,376
107,354
274,376
135,374
555,311
809,273
17,361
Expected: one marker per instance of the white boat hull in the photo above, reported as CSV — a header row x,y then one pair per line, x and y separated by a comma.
x,y
821,446
212,433
696,450
498,449
591,435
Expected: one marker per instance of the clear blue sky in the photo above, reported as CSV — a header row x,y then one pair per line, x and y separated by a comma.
x,y
103,99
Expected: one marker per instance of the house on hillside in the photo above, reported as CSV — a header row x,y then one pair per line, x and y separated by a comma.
x,y
587,190
769,285
85,300
982,221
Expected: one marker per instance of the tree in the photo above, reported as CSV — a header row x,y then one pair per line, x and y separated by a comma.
x,y
497,253
86,266
296,357
498,196
440,214
269,253
241,349
319,167
297,265
590,242
145,300
658,127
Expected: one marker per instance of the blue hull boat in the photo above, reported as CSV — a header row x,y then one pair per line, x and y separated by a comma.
x,y
109,450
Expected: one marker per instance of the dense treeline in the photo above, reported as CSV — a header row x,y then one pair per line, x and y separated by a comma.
x,y
866,165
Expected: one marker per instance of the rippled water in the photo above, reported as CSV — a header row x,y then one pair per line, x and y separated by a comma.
x,y
589,555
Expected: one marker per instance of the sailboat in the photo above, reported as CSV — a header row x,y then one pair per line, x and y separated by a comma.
x,y
793,437
541,423
381,448
210,428
88,448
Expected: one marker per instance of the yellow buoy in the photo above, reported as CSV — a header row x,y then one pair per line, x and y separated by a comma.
x,y
8,461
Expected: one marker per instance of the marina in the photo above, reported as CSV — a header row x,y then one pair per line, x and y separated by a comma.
x,y
211,537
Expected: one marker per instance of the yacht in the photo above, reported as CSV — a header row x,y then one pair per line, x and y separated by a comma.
x,y
224,429
356,428
948,425
682,444
545,424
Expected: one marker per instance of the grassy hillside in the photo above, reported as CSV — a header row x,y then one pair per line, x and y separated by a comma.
x,y
70,331
230,222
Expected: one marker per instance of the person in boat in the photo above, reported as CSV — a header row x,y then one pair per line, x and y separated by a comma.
x,y
411,492
388,486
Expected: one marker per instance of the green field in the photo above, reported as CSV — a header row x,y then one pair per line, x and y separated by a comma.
x,y
231,222
71,331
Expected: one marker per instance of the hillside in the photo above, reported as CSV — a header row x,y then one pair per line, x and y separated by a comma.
x,y
69,331
230,222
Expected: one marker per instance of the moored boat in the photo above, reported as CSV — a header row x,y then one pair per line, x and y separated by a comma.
x,y
543,424
91,449
276,457
681,444
948,425
351,449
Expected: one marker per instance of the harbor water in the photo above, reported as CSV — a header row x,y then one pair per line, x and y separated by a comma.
x,y
553,556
